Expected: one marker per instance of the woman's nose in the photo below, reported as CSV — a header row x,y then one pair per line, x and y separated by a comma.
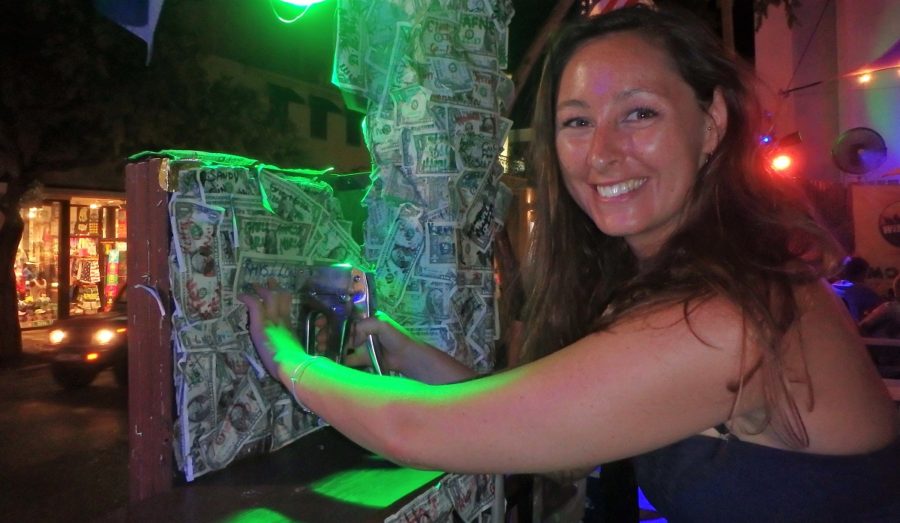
x,y
605,149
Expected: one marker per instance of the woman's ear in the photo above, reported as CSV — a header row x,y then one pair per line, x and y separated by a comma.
x,y
716,121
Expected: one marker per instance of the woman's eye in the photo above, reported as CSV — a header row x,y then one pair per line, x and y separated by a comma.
x,y
574,122
641,113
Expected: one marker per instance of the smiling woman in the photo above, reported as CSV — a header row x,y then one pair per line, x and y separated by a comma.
x,y
678,313
631,140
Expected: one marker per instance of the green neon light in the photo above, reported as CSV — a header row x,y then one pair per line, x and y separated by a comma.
x,y
298,8
377,487
258,515
302,3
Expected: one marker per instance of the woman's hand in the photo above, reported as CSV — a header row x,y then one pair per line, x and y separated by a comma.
x,y
270,307
393,340
400,351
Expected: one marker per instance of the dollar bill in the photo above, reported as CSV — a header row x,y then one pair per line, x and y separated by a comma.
x,y
431,506
469,494
470,255
397,183
437,36
290,423
440,243
399,255
468,306
244,412
293,201
438,335
253,269
195,230
188,182
477,151
348,72
479,224
412,105
271,235
401,72
203,335
438,306
436,197
335,244
449,75
479,279
383,139
484,90
230,181
428,152
476,33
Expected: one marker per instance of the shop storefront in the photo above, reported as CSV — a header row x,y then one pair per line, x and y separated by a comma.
x,y
71,259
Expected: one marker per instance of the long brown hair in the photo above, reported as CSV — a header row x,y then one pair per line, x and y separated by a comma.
x,y
745,236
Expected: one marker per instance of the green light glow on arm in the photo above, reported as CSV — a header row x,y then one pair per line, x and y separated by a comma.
x,y
408,421
376,487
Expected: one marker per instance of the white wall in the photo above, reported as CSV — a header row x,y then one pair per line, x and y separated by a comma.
x,y
850,34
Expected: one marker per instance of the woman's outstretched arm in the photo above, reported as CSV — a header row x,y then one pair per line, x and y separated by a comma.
x,y
649,382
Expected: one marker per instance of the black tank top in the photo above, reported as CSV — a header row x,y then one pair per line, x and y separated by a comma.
x,y
706,479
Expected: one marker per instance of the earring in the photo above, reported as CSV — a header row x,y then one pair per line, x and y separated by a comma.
x,y
708,129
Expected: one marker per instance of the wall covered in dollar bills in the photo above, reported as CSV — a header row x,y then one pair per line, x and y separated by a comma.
x,y
429,76
236,222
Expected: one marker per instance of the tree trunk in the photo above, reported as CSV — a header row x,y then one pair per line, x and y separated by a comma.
x,y
10,333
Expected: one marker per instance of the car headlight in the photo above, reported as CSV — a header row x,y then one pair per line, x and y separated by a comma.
x,y
57,336
104,336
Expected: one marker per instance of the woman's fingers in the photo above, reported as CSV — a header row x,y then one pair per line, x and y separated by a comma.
x,y
361,329
283,306
274,303
254,306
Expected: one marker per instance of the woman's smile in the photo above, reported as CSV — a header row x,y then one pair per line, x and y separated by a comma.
x,y
619,190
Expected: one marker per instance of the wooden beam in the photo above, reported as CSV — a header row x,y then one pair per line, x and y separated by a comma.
x,y
150,385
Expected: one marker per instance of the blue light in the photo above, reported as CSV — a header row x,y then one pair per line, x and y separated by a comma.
x,y
765,139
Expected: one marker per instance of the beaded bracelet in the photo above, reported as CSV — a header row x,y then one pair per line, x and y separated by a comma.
x,y
295,377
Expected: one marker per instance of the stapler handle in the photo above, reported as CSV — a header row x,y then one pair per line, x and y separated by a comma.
x,y
337,325
364,307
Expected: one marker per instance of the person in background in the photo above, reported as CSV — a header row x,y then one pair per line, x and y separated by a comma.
x,y
851,288
677,312
884,320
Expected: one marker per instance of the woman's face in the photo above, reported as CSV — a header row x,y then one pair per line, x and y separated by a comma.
x,y
631,136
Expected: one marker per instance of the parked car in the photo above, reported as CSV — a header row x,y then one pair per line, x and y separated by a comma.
x,y
83,346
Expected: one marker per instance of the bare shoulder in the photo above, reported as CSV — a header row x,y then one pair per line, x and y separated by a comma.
x,y
844,403
662,374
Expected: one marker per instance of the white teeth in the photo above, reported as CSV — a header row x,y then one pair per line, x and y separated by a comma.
x,y
611,191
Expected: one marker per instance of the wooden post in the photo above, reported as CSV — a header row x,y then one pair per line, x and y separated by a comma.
x,y
150,386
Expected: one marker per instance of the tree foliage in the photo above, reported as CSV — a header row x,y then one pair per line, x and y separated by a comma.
x,y
761,11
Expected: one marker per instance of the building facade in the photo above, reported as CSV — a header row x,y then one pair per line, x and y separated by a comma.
x,y
71,258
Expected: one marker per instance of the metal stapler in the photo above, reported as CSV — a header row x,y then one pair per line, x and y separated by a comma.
x,y
342,293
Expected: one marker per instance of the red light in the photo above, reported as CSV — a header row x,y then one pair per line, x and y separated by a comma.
x,y
781,162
